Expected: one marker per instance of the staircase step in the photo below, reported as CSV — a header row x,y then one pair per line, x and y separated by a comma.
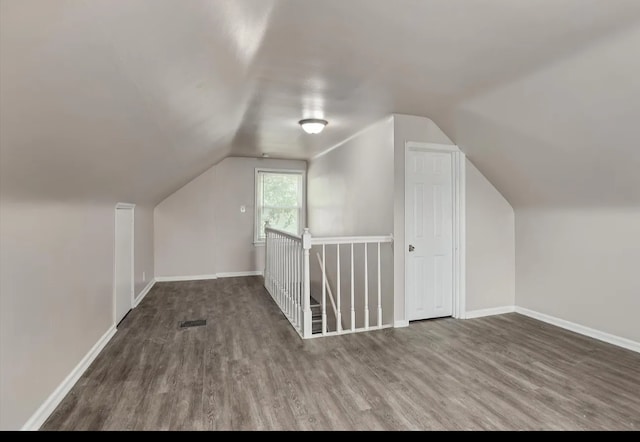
x,y
314,302
316,326
316,316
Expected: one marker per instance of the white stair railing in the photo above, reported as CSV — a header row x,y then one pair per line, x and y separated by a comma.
x,y
287,278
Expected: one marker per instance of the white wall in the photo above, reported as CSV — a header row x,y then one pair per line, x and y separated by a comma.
x,y
56,293
350,188
581,265
350,192
199,229
185,229
490,242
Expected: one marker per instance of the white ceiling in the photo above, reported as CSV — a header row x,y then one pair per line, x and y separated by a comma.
x,y
130,99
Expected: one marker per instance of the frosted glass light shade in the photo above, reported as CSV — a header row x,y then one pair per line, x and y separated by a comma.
x,y
313,125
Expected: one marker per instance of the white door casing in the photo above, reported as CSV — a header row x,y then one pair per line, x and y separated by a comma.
x,y
124,261
429,233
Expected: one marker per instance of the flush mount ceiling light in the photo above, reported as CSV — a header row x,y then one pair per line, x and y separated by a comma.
x,y
313,125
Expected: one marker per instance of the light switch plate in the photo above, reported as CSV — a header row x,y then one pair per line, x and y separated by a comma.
x,y
243,209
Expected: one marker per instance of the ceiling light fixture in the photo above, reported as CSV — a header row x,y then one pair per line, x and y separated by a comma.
x,y
313,125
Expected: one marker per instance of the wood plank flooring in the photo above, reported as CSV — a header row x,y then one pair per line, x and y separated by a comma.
x,y
249,370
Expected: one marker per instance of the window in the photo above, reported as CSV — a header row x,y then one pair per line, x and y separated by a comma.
x,y
279,201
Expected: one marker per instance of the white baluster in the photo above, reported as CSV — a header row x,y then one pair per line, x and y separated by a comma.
x,y
273,266
292,257
338,314
297,279
289,279
366,288
292,280
290,285
269,261
306,245
324,293
280,278
353,307
286,277
379,291
280,274
299,282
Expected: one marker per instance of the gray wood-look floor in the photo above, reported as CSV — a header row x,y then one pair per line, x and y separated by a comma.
x,y
248,369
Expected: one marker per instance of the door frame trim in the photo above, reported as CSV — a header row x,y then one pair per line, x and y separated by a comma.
x,y
132,207
459,221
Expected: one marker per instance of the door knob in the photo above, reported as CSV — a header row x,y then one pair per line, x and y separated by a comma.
x,y
411,248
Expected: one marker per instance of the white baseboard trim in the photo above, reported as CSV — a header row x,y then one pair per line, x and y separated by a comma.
x,y
238,274
490,311
143,293
401,323
45,410
185,278
581,329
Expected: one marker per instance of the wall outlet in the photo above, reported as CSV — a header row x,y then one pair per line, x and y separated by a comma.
x,y
144,277
243,209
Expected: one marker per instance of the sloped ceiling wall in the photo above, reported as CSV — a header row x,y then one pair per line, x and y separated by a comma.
x,y
567,135
129,100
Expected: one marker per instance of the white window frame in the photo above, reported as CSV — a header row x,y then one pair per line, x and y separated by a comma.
x,y
257,206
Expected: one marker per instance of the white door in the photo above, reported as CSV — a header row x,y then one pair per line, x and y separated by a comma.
x,y
123,280
429,234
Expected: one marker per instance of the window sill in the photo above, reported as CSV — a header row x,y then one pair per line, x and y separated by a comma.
x,y
259,244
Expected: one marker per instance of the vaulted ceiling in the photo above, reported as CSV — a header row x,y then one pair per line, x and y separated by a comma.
x,y
130,99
